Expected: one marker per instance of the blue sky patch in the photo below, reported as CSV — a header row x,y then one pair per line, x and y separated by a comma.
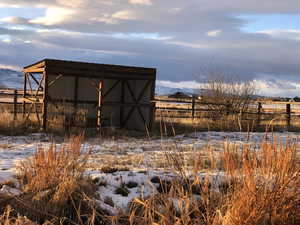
x,y
259,22
26,12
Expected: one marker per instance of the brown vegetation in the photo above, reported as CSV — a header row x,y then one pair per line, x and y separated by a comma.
x,y
262,187
55,190
255,186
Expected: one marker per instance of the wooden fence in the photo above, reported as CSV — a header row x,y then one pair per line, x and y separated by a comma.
x,y
190,108
187,108
11,97
12,100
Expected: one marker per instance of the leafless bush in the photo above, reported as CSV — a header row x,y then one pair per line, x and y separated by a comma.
x,y
228,94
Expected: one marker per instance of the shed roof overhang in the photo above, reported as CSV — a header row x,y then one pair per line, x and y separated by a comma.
x,y
72,68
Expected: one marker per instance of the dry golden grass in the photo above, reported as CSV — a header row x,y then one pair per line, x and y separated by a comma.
x,y
55,190
48,168
7,219
10,126
262,187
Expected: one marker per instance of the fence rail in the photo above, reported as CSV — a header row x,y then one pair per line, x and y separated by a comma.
x,y
185,108
15,98
189,108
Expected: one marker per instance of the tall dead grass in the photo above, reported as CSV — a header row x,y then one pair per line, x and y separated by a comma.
x,y
259,186
55,189
253,186
10,126
268,191
53,167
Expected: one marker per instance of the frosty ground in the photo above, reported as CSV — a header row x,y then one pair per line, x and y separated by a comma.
x,y
140,161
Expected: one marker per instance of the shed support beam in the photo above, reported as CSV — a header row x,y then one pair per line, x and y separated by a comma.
x,y
45,102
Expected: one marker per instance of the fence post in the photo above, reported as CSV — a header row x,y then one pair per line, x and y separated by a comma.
x,y
227,109
288,115
193,106
259,107
15,104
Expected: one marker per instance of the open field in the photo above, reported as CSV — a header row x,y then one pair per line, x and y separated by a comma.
x,y
205,170
130,176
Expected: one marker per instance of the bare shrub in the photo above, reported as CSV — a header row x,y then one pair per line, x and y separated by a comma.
x,y
227,94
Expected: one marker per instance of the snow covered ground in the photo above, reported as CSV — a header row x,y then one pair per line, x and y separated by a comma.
x,y
143,159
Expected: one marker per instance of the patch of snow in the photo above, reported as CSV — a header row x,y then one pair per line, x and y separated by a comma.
x,y
9,191
146,154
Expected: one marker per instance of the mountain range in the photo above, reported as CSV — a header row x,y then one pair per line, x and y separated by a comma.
x,y
11,79
14,80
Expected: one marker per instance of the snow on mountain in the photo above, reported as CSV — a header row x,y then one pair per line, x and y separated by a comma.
x,y
163,90
11,79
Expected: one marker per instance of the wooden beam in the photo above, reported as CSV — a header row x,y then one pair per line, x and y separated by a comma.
x,y
24,94
100,103
73,101
122,102
40,85
36,65
111,88
55,80
83,66
15,104
128,115
127,104
37,114
75,93
136,101
98,74
45,102
35,80
29,82
27,99
34,70
94,83
152,97
130,91
29,112
144,90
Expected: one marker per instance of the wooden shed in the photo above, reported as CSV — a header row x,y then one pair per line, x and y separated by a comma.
x,y
111,95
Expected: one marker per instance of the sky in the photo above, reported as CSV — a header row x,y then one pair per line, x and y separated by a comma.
x,y
186,40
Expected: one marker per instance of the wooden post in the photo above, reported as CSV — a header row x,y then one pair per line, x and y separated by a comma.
x,y
152,109
100,103
288,115
122,102
227,109
75,104
259,107
45,102
24,94
15,104
193,106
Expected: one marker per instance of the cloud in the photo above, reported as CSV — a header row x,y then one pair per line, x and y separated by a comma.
x,y
183,84
141,2
214,33
14,20
124,15
10,67
177,37
54,15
